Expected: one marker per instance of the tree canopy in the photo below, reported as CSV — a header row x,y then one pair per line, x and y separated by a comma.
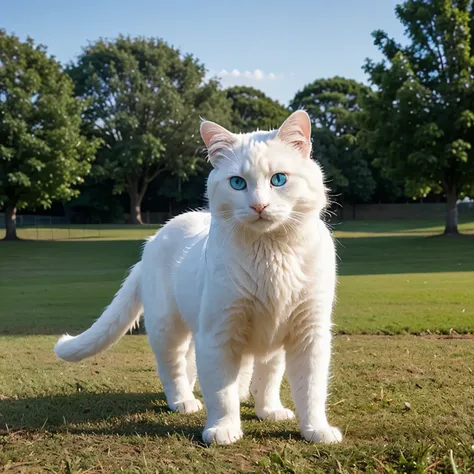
x,y
43,155
127,112
252,110
420,122
335,106
146,99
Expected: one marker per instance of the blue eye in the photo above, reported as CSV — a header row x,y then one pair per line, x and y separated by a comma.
x,y
278,179
238,183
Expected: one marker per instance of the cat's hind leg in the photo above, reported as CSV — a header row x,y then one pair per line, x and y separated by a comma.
x,y
191,369
245,377
265,388
171,342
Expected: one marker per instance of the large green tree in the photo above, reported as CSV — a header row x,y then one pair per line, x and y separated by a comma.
x,y
146,99
334,106
421,121
43,155
252,110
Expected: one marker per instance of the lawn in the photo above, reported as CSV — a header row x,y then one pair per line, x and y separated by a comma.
x,y
393,278
404,401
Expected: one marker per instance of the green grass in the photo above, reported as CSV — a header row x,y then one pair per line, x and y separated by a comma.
x,y
403,402
85,232
109,412
393,279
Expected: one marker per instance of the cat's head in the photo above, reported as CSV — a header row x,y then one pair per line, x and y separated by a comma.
x,y
264,180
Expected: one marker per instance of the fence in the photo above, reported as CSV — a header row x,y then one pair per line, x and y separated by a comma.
x,y
23,220
408,211
37,227
32,227
152,217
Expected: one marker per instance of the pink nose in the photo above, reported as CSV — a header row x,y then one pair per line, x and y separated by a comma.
x,y
259,207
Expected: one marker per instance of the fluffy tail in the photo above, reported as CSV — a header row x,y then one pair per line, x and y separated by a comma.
x,y
114,322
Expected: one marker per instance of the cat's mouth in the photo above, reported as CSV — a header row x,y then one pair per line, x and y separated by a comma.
x,y
260,218
263,221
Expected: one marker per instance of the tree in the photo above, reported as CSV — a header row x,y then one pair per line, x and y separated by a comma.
x,y
146,101
334,106
42,152
252,110
421,121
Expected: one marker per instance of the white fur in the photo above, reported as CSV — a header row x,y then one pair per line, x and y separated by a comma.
x,y
251,294
115,321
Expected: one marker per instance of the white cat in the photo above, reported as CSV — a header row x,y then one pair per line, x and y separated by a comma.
x,y
250,284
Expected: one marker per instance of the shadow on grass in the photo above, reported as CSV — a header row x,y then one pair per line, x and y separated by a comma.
x,y
132,414
113,413
122,414
54,287
357,256
60,410
404,254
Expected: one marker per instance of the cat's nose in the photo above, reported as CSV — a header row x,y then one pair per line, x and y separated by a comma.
x,y
259,207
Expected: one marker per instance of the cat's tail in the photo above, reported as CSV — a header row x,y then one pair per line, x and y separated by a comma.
x,y
115,321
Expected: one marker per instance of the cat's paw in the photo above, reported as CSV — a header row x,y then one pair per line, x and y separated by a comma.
x,y
328,434
222,434
187,406
280,414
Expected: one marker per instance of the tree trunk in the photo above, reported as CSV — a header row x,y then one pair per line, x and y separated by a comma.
x,y
451,212
135,208
10,222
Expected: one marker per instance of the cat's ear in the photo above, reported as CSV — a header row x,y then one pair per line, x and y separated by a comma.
x,y
217,140
296,131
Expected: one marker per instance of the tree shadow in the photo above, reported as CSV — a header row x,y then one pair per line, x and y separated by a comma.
x,y
58,286
397,226
363,255
404,254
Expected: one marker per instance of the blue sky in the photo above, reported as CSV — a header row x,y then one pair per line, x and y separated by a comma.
x,y
273,45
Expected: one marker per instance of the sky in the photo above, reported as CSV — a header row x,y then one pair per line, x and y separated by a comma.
x,y
277,46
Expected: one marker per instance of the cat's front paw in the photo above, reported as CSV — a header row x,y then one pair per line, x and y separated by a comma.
x,y
279,414
187,406
327,434
222,434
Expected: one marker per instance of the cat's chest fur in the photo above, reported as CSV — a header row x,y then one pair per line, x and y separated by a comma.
x,y
271,278
272,271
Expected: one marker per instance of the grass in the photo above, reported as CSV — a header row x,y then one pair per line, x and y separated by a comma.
x,y
109,413
404,279
85,232
393,279
404,402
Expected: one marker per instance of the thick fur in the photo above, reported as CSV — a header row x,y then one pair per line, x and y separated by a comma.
x,y
250,293
116,320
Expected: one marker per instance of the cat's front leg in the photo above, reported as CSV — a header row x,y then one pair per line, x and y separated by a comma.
x,y
308,357
218,363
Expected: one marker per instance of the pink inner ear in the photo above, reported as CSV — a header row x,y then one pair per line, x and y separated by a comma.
x,y
211,132
216,138
296,131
